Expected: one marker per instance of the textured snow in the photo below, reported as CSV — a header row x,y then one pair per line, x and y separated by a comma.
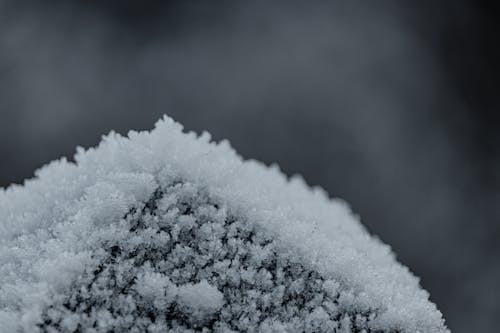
x,y
167,230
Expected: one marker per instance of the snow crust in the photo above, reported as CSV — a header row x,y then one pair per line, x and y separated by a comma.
x,y
72,235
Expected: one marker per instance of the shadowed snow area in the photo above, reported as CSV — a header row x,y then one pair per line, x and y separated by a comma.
x,y
164,230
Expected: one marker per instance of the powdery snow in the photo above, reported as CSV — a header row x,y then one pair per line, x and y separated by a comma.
x,y
166,230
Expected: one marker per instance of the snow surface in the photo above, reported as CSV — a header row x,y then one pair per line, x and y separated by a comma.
x,y
165,230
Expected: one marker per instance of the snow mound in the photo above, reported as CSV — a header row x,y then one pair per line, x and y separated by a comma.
x,y
165,230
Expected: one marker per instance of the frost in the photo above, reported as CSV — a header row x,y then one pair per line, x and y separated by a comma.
x,y
166,231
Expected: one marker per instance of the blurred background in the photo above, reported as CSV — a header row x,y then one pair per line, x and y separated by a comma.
x,y
391,105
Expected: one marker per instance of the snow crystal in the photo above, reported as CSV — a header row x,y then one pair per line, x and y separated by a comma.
x,y
164,230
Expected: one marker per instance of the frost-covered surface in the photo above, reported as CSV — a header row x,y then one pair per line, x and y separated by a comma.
x,y
164,230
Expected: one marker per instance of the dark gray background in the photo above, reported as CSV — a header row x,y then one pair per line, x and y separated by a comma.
x,y
391,105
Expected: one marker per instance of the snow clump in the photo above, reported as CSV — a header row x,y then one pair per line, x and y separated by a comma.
x,y
167,231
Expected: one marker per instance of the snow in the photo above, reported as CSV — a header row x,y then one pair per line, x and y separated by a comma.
x,y
201,300
167,230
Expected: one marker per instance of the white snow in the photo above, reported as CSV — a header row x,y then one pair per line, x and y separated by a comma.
x,y
50,229
200,299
